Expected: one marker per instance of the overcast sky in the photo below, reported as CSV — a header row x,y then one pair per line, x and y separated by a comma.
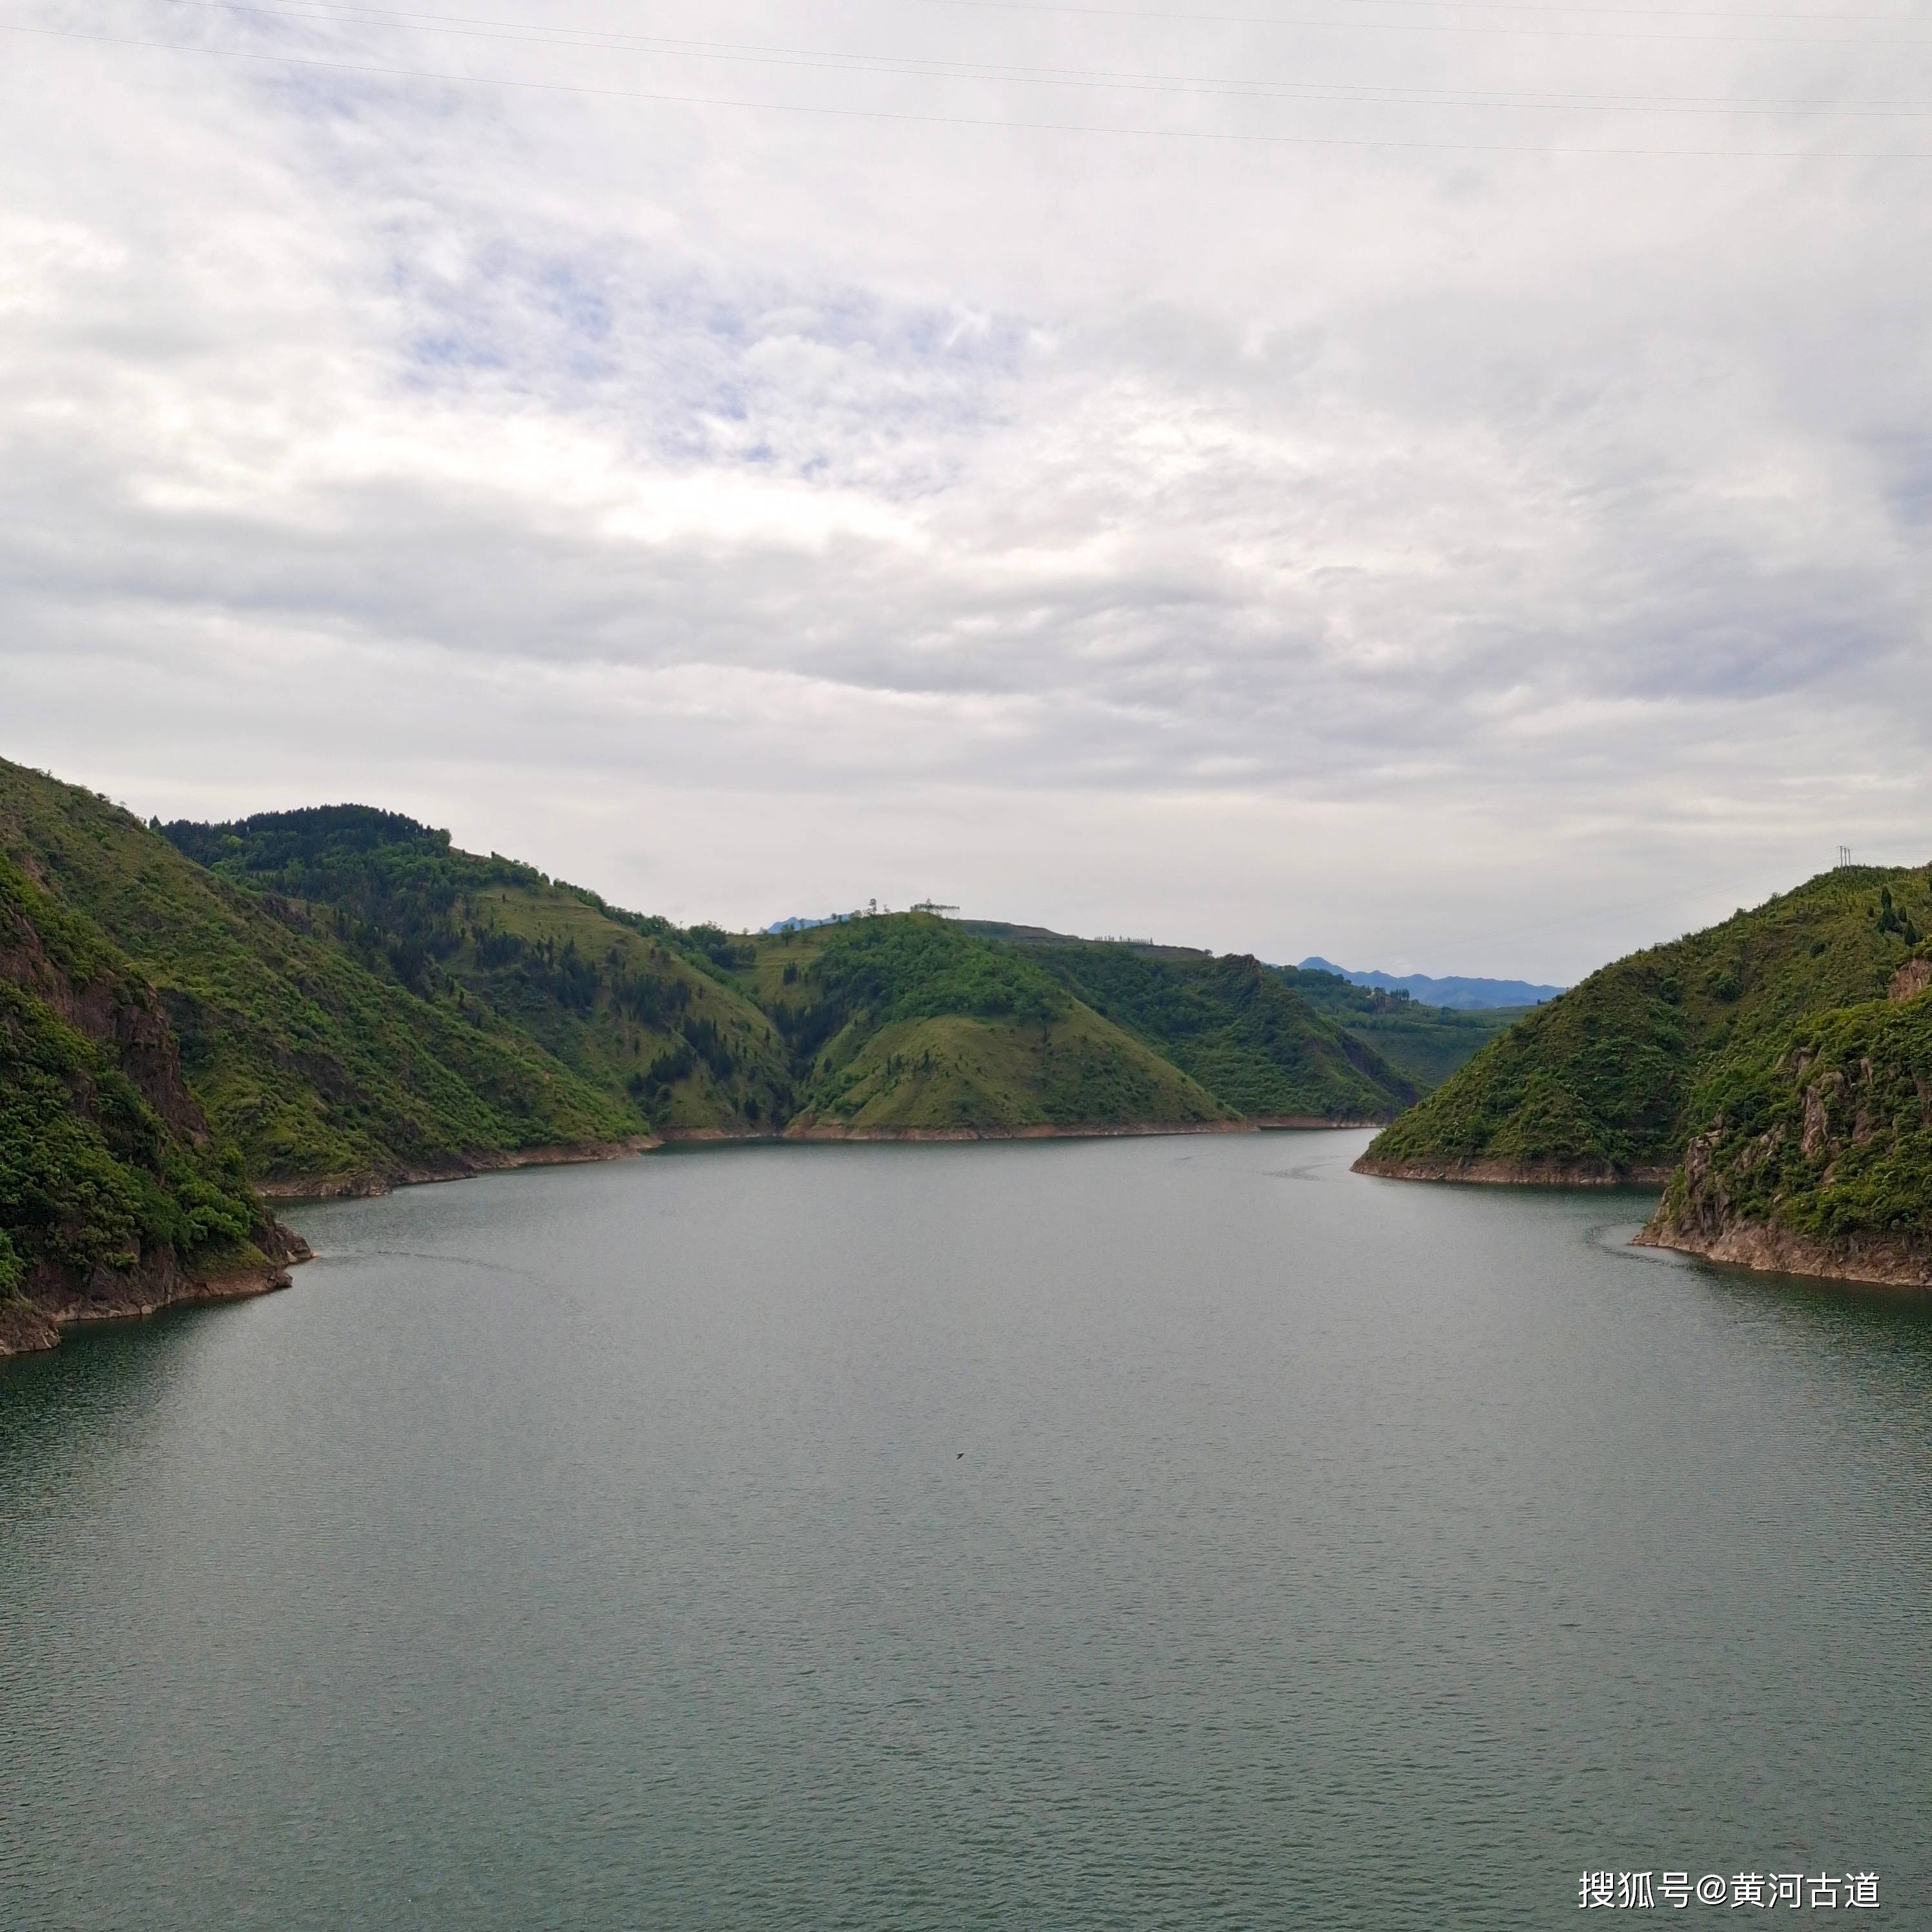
x,y
1445,486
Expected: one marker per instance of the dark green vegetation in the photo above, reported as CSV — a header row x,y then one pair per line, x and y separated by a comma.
x,y
1730,1035
1824,1133
644,1019
1424,1044
1421,1046
357,1000
342,998
111,1186
907,1022
1237,1027
912,1021
316,1067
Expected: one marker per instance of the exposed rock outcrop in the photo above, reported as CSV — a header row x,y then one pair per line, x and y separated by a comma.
x,y
1912,978
1819,1161
53,1298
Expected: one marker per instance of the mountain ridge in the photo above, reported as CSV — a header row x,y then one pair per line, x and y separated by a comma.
x,y
1459,992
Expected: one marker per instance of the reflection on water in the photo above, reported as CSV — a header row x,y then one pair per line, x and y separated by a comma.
x,y
1114,1533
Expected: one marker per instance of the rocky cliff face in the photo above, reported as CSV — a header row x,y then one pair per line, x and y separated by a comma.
x,y
114,1198
1819,1161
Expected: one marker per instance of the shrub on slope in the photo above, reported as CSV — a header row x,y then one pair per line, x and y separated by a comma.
x,y
108,1172
1238,1028
631,1004
313,1065
906,1021
1602,1079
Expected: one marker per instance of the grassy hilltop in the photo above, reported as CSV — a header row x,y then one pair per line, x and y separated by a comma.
x,y
1611,1079
906,1022
1410,1047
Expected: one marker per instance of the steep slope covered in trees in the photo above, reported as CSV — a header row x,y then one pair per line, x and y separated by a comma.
x,y
115,1198
1601,1084
1812,1151
1237,1027
647,1015
319,1069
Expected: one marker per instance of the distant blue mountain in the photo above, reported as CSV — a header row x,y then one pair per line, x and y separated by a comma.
x,y
802,924
1466,994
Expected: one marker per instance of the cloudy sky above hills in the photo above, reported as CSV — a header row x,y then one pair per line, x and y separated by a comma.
x,y
1448,486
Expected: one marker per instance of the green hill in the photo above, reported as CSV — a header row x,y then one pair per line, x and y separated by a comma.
x,y
115,1198
1813,1150
1602,1083
1424,1044
1236,1026
645,1014
906,1023
1421,1046
317,1068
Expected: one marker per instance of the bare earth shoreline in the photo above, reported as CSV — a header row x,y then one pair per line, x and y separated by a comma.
x,y
462,1167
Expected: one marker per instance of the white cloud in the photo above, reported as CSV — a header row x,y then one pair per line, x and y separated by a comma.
x,y
1471,554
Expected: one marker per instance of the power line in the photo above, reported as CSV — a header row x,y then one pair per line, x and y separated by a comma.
x,y
1228,135
1070,6
833,60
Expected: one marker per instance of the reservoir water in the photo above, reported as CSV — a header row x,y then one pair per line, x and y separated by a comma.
x,y
1178,1532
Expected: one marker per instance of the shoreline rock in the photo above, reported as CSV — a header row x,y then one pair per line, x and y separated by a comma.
x,y
1472,1170
53,1301
1779,1251
457,1167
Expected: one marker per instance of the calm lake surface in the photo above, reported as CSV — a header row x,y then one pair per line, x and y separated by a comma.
x,y
1178,1532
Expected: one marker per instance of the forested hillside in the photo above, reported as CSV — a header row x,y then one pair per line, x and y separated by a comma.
x,y
1420,1045
1237,1027
115,1198
340,998
1424,1044
318,1068
1604,1081
906,1022
1813,1150
645,1014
